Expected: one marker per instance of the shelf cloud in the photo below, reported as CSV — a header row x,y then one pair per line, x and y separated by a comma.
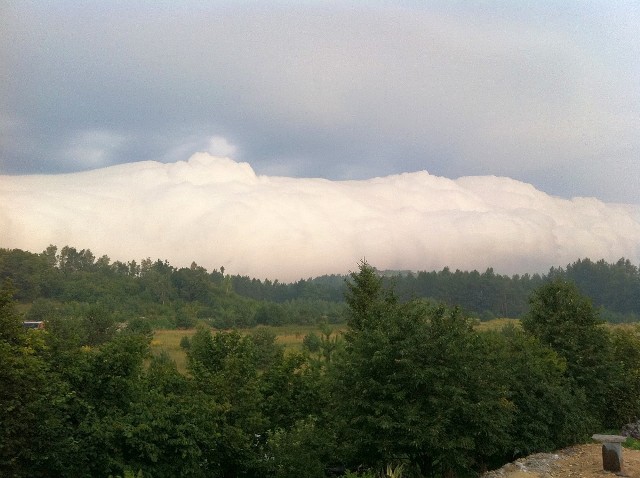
x,y
219,212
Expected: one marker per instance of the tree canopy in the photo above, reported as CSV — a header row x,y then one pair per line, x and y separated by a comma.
x,y
168,296
411,383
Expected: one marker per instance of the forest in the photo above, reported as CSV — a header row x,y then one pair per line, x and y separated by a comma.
x,y
410,388
71,281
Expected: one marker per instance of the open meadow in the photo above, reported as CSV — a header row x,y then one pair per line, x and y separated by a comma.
x,y
290,336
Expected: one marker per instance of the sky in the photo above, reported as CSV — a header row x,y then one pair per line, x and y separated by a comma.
x,y
543,96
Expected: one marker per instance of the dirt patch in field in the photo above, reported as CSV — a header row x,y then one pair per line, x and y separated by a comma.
x,y
581,461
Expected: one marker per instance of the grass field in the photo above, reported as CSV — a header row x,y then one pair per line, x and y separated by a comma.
x,y
290,336
496,324
169,342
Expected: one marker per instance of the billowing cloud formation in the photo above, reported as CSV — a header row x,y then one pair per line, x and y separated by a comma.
x,y
218,212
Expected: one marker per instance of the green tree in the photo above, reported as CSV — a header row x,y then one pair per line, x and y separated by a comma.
x,y
302,428
271,314
311,342
548,412
368,302
34,427
268,351
224,366
624,399
174,430
414,387
565,320
299,450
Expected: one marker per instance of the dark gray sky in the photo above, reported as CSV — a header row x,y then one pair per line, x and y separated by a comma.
x,y
547,93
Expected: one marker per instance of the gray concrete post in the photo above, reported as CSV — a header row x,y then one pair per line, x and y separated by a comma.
x,y
611,452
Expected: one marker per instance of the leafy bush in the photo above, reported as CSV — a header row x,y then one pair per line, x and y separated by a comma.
x,y
632,443
311,342
185,342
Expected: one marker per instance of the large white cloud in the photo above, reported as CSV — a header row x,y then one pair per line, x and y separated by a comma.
x,y
218,212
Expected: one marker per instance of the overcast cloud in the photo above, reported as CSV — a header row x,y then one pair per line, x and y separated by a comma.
x,y
218,212
547,93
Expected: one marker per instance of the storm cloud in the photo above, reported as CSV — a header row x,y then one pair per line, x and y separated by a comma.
x,y
219,212
546,93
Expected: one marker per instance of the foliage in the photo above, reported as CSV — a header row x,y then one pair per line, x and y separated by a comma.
x,y
615,286
364,474
311,342
547,412
624,386
224,366
185,342
413,384
167,296
297,450
631,443
597,362
25,395
267,351
409,383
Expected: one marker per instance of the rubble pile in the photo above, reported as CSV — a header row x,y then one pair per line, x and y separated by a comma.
x,y
632,430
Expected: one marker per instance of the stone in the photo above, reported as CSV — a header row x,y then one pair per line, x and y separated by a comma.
x,y
611,451
612,457
632,430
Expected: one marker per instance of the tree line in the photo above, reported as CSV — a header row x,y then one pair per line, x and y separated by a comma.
x,y
74,282
410,386
70,280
